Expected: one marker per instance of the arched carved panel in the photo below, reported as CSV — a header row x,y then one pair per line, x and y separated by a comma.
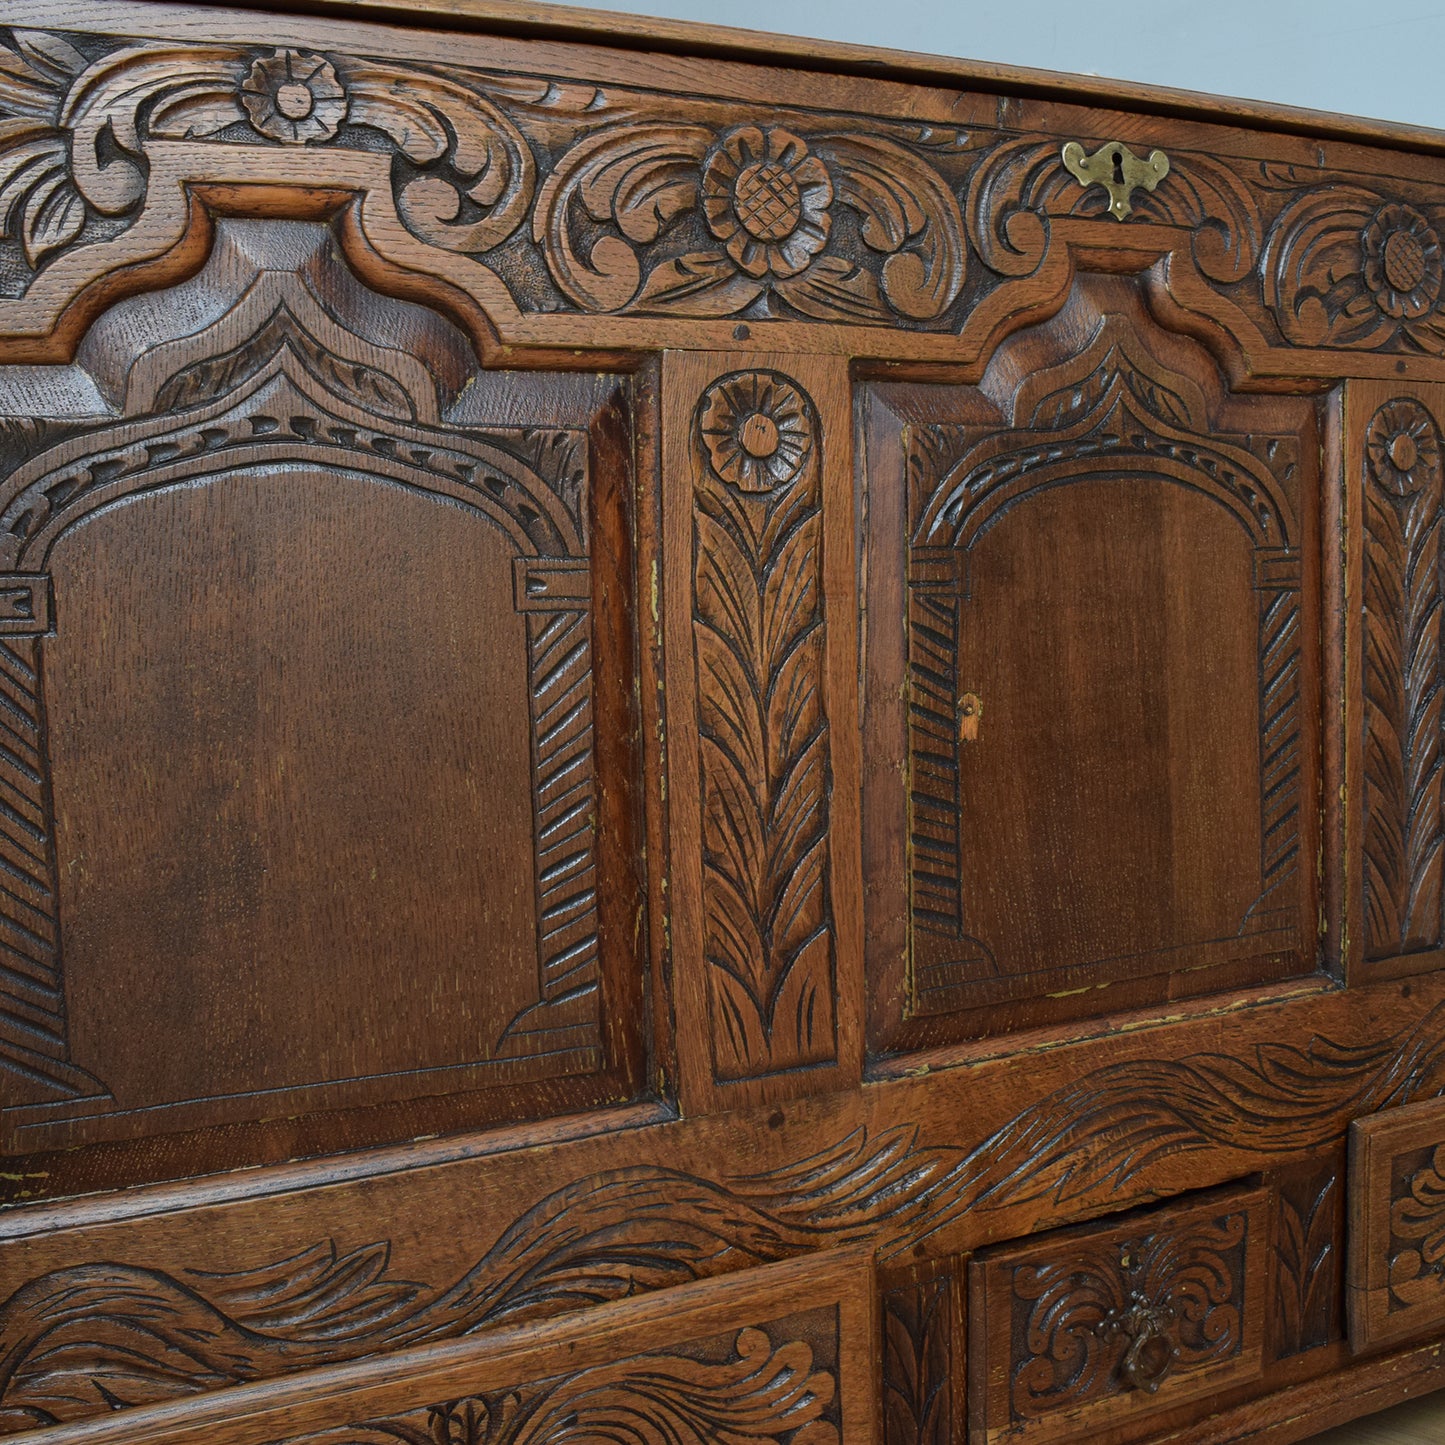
x,y
1097,719
328,643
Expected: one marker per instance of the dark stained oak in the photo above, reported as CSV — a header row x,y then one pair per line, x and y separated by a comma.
x,y
698,743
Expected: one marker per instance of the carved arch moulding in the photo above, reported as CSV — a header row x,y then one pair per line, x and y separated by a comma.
x,y
572,212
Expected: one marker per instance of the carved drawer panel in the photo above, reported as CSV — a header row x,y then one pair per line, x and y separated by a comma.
x,y
779,1355
1397,1225
1107,1323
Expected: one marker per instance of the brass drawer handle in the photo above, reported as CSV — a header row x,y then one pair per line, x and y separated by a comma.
x,y
1118,170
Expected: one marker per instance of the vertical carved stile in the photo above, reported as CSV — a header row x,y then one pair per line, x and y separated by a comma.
x,y
918,1363
1307,1276
1402,686
765,778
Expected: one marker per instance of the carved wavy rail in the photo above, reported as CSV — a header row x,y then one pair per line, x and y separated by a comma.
x,y
106,1335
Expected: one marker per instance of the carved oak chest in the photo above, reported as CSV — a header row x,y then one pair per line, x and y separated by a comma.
x,y
702,742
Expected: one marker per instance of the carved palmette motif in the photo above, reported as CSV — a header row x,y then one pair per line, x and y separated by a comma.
x,y
918,1362
104,1335
1307,1258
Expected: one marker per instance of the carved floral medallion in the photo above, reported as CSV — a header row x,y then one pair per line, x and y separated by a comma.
x,y
757,430
766,199
1400,255
1403,447
294,97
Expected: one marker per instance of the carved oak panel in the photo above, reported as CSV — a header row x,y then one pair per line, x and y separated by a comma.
x,y
294,647
778,1355
1105,572
1109,1323
1397,1225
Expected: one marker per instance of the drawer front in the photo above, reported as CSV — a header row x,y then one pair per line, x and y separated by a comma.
x,y
1113,1321
1397,1225
779,1355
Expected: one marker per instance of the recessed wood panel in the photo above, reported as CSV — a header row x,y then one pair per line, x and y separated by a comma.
x,y
309,659
1090,636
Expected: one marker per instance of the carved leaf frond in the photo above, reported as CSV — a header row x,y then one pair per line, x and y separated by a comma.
x,y
36,73
917,1364
430,117
1404,850
38,203
909,214
636,179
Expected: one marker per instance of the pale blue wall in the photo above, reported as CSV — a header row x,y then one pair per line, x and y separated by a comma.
x,y
1385,60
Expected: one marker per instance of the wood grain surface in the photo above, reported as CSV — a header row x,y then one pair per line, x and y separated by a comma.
x,y
701,741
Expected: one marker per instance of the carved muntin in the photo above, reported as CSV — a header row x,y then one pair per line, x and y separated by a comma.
x,y
1396,447
1309,1225
923,1352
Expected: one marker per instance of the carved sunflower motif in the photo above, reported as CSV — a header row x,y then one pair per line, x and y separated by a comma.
x,y
1401,261
766,198
1403,447
756,430
294,97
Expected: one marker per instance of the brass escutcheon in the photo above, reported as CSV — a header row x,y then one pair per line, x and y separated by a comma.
x,y
1117,169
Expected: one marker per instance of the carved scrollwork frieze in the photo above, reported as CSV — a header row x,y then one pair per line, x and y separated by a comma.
x,y
597,200
762,1391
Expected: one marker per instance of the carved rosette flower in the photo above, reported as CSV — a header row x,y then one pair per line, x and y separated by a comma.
x,y
756,431
1400,257
294,97
1403,447
766,199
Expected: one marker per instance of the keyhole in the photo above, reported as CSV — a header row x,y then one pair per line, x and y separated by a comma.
x,y
1118,159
